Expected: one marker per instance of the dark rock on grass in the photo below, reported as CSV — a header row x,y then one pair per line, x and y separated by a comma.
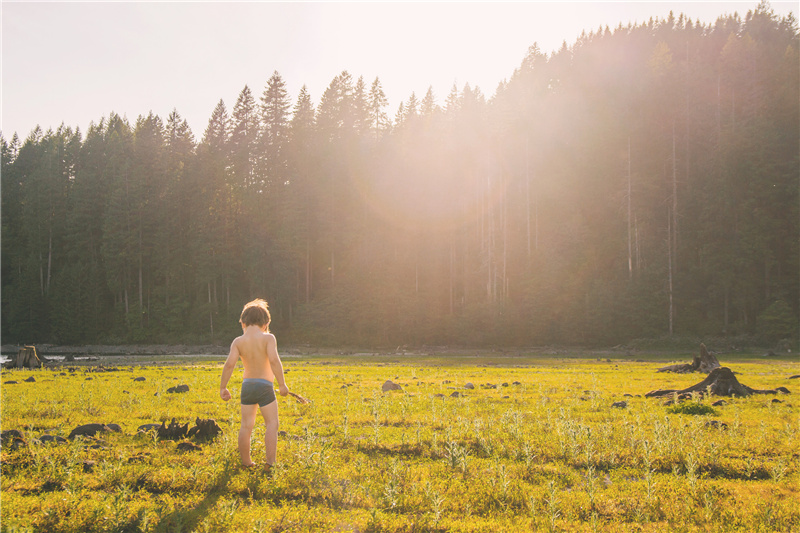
x,y
31,380
719,403
11,382
620,405
89,430
10,434
115,428
796,376
469,386
438,395
148,427
389,385
178,389
775,400
140,378
516,383
187,446
52,439
456,394
627,395
88,466
505,384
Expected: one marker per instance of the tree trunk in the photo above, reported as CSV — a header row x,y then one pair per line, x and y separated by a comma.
x,y
720,382
26,358
704,362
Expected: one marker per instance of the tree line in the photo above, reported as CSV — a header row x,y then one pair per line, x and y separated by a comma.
x,y
641,182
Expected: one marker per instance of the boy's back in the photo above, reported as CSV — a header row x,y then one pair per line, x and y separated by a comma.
x,y
254,347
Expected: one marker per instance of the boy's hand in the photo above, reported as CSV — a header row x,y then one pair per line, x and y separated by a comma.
x,y
283,389
225,394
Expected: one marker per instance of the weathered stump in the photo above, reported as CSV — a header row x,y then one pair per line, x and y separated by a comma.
x,y
704,362
172,431
720,382
204,429
26,358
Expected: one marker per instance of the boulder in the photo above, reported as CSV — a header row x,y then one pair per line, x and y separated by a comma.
x,y
178,389
88,430
389,385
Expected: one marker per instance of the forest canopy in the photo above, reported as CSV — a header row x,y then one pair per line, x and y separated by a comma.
x,y
641,182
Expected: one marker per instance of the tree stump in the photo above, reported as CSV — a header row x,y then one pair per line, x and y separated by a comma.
x,y
720,382
172,431
26,358
704,362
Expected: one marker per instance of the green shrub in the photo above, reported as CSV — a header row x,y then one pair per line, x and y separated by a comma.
x,y
691,408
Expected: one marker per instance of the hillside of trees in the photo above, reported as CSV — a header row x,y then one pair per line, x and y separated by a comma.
x,y
640,183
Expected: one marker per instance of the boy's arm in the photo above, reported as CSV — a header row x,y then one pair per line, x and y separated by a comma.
x,y
275,363
227,371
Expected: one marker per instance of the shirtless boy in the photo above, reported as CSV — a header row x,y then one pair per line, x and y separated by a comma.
x,y
258,351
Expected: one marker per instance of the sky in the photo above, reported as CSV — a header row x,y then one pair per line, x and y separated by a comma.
x,y
76,62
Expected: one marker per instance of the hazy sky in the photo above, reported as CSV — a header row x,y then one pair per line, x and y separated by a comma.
x,y
76,62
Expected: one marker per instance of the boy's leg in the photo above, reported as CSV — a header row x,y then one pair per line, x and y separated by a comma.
x,y
248,421
270,414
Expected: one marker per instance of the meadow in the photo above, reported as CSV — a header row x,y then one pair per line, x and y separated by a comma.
x,y
536,445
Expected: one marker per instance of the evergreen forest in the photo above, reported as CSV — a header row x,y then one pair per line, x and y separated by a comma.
x,y
641,182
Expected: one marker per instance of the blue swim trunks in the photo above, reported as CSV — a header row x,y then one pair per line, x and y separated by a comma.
x,y
257,390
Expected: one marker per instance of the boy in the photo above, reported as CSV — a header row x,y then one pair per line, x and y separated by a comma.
x,y
258,351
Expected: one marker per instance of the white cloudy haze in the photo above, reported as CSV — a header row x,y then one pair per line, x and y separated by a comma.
x,y
74,63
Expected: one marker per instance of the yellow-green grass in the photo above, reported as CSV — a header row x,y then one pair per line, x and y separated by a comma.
x,y
548,454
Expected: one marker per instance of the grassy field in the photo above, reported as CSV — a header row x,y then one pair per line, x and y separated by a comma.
x,y
535,446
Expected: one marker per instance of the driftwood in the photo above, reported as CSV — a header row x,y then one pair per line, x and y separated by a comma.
x,y
705,362
720,382
26,358
300,399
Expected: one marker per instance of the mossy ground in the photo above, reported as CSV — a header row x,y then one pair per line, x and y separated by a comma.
x,y
547,454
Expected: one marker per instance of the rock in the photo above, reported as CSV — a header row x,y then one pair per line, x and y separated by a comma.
x,y
627,395
178,389
48,439
796,376
505,384
88,430
10,434
456,394
516,383
783,390
187,446
438,395
620,405
114,427
148,427
775,400
506,397
390,385
719,403
140,378
469,386
30,380
11,382
88,466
